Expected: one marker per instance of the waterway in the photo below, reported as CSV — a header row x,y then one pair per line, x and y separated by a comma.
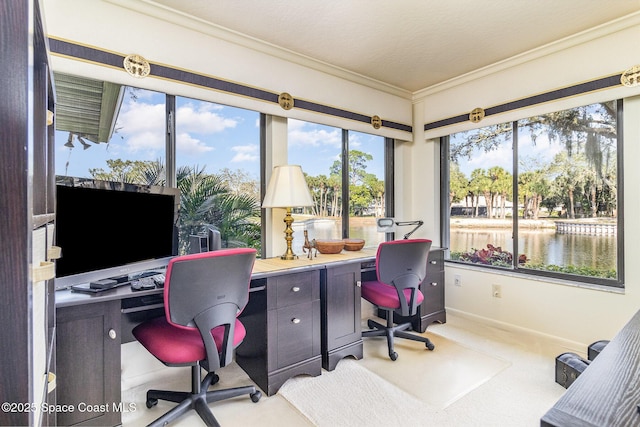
x,y
544,246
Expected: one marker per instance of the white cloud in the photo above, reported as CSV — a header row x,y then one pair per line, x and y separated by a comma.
x,y
202,118
312,135
136,117
245,153
189,146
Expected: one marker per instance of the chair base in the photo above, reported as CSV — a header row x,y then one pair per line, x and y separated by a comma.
x,y
197,399
391,331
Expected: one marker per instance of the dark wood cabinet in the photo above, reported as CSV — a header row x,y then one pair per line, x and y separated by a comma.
x,y
341,314
293,320
88,363
432,308
282,320
26,182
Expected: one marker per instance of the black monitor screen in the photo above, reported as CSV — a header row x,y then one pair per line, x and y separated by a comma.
x,y
108,229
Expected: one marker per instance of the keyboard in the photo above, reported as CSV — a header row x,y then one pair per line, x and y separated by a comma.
x,y
147,282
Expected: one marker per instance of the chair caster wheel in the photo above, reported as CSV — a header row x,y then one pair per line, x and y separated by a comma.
x,y
255,397
430,346
393,356
151,403
370,324
214,379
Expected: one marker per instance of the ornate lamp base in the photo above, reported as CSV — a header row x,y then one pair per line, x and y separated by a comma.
x,y
288,220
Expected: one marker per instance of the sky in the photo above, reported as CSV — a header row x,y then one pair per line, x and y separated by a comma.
x,y
208,135
543,151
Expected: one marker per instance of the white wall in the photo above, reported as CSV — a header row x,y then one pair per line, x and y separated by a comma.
x,y
575,315
133,26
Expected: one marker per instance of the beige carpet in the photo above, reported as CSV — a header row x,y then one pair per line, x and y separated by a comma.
x,y
353,395
438,377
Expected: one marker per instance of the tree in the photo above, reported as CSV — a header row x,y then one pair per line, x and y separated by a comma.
x,y
123,171
458,185
502,183
357,164
480,184
376,189
240,182
204,199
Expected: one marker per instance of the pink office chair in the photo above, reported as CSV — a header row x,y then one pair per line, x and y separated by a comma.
x,y
401,266
203,295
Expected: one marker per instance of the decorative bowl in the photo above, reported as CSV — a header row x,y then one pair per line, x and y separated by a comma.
x,y
331,246
353,244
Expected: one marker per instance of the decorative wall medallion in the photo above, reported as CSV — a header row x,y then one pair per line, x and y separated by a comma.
x,y
376,122
631,77
137,66
285,100
476,115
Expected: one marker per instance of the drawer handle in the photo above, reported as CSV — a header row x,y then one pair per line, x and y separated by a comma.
x,y
295,289
295,320
112,334
434,283
433,262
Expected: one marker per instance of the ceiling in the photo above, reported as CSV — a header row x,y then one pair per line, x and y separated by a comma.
x,y
408,44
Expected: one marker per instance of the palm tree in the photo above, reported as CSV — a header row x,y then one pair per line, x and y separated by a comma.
x,y
206,199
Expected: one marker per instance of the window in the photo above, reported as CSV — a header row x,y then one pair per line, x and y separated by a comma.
x,y
366,186
546,188
105,130
112,132
318,149
218,171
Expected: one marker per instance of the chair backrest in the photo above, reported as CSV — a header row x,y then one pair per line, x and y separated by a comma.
x,y
206,290
403,264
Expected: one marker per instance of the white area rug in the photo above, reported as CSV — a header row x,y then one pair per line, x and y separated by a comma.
x,y
351,395
415,390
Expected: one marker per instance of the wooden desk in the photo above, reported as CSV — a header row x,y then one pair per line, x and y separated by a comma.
x,y
91,328
288,332
607,393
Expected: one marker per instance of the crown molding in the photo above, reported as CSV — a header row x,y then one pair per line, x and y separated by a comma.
x,y
548,49
150,8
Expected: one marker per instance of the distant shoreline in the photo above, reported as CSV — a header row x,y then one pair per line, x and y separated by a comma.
x,y
458,222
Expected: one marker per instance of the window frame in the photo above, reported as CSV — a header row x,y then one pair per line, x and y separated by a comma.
x,y
515,268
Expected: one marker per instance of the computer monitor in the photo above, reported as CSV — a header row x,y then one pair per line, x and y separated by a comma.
x,y
111,229
207,240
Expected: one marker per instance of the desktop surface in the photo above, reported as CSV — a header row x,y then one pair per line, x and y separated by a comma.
x,y
263,267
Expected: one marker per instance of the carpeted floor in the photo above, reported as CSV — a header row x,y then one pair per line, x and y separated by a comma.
x,y
476,376
379,389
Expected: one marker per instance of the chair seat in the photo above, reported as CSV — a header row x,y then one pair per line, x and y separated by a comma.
x,y
174,345
385,296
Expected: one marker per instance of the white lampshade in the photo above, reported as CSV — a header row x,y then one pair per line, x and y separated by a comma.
x,y
287,188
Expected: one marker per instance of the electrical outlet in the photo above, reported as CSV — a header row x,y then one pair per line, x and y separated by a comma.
x,y
496,291
457,280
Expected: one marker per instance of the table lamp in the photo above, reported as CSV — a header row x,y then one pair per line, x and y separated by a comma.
x,y
287,189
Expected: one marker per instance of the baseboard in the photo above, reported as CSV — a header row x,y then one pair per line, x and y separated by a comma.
x,y
573,346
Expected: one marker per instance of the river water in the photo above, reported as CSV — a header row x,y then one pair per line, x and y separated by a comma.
x,y
544,247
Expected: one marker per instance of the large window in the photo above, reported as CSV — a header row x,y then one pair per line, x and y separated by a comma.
x,y
218,171
318,149
211,152
105,130
366,186
540,195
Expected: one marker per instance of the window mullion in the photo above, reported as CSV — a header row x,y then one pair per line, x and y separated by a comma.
x,y
516,198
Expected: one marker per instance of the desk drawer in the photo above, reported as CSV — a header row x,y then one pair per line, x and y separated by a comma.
x,y
293,289
298,333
